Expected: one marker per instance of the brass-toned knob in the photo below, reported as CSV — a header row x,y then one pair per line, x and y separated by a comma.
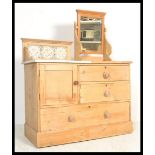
x,y
106,75
106,114
75,82
106,94
71,118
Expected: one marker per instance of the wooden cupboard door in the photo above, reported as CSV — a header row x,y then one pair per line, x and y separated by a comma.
x,y
57,86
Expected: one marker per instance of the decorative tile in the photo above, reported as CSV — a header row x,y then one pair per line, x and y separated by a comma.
x,y
59,53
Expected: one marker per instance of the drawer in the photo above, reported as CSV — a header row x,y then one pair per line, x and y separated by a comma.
x,y
65,118
104,91
104,73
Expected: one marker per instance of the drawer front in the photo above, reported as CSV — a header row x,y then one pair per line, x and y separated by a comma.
x,y
65,118
104,73
105,91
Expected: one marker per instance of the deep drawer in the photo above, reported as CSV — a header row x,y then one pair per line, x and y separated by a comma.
x,y
104,73
104,91
79,116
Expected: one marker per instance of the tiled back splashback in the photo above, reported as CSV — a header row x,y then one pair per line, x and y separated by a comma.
x,y
48,52
39,49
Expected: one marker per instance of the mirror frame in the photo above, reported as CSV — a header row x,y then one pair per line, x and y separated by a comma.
x,y
91,14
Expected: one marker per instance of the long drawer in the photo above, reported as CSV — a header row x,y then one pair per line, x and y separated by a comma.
x,y
64,118
104,91
104,73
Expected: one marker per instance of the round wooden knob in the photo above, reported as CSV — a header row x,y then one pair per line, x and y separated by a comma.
x,y
106,114
106,94
71,119
75,82
106,75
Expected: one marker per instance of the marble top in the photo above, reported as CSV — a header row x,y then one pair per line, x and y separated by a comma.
x,y
60,61
76,61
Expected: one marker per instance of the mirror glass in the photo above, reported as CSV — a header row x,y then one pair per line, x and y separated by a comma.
x,y
90,33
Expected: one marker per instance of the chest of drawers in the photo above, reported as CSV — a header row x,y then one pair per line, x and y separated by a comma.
x,y
70,102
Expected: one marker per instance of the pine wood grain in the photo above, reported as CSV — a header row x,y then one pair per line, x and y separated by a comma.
x,y
65,102
96,73
57,119
45,139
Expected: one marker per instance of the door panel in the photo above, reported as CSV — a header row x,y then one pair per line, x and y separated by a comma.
x,y
57,85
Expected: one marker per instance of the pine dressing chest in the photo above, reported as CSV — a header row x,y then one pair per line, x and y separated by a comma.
x,y
69,101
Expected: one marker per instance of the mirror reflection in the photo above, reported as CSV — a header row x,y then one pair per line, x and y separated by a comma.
x,y
90,36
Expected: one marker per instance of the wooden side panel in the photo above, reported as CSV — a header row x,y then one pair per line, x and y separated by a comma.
x,y
98,92
104,73
31,134
31,95
65,118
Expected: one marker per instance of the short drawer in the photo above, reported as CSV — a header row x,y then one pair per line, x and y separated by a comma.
x,y
65,118
104,73
104,91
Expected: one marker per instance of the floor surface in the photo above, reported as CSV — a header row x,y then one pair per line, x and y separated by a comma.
x,y
123,143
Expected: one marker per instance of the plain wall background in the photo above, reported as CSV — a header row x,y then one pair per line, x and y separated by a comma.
x,y
56,22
